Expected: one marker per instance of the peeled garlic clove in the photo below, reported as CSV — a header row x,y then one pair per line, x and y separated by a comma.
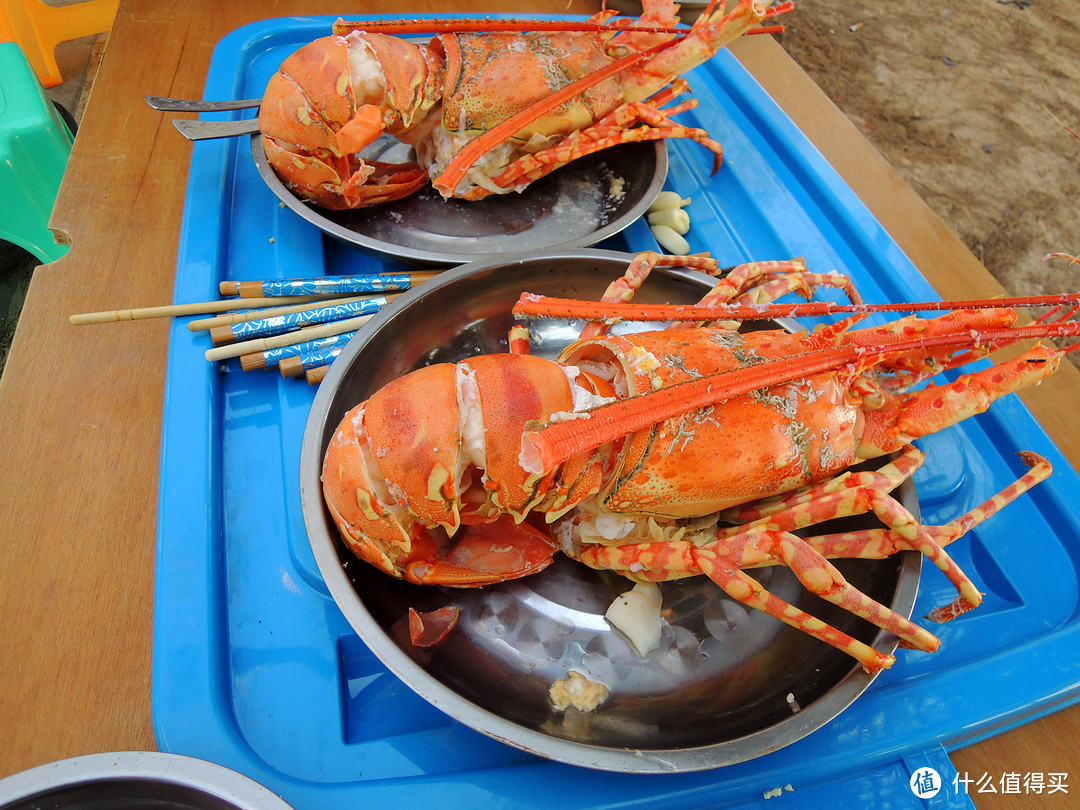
x,y
670,241
675,218
668,199
636,614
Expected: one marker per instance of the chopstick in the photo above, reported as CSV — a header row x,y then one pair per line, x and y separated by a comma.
x,y
308,320
315,375
337,285
205,324
180,310
301,363
279,324
300,336
274,357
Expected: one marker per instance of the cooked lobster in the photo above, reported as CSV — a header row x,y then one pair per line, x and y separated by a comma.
x,y
486,108
683,451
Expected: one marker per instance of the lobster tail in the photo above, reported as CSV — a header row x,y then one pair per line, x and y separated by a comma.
x,y
330,100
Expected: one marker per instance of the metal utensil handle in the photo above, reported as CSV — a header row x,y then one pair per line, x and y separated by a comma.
x,y
207,130
165,104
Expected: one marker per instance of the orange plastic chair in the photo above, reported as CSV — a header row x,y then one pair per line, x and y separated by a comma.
x,y
38,28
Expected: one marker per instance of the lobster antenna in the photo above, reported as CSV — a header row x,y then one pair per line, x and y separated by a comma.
x,y
465,25
555,443
541,306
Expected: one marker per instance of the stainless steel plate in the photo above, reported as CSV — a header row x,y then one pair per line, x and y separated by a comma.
x,y
727,685
127,780
579,205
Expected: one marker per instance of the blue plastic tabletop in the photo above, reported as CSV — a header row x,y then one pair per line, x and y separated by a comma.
x,y
256,669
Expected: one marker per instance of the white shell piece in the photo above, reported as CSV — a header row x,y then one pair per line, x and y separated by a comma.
x,y
636,614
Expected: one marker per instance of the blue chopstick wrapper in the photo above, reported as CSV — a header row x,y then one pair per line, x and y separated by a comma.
x,y
279,324
319,357
274,356
388,282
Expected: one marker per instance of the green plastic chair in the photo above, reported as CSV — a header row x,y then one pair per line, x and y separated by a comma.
x,y
35,143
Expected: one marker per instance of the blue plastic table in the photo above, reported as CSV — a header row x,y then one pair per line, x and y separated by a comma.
x,y
255,667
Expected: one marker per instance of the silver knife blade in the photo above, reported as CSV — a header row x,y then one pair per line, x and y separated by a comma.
x,y
207,130
166,104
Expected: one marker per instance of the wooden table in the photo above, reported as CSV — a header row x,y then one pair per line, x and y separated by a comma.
x,y
80,407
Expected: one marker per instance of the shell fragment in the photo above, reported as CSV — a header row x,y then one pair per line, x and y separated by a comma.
x,y
636,614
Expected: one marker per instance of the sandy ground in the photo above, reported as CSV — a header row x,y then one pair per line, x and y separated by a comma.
x,y
973,102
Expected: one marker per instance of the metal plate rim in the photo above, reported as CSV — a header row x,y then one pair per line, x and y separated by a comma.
x,y
201,780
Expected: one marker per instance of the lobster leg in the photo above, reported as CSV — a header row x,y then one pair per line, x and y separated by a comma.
x,y
859,493
887,478
618,127
388,182
722,562
758,283
749,591
624,287
518,340
767,538
748,283
881,543
934,408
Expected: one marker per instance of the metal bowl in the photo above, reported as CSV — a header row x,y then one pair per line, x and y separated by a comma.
x,y
579,205
727,684
135,779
